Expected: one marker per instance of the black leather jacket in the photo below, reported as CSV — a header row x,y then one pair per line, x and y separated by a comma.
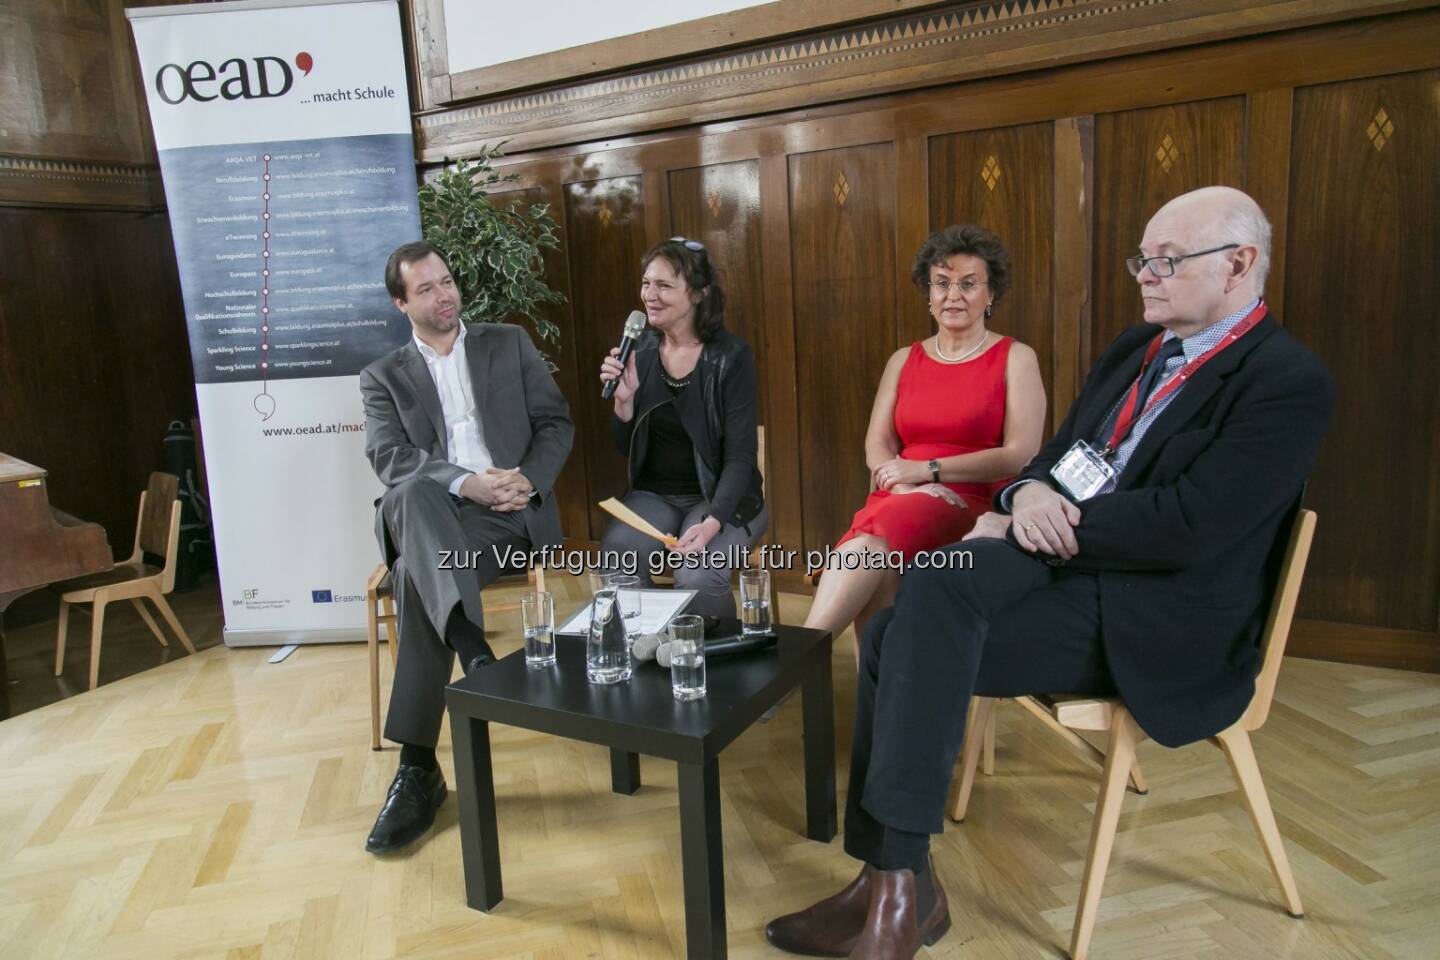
x,y
721,427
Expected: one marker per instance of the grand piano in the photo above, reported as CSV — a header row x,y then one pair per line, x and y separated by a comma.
x,y
42,545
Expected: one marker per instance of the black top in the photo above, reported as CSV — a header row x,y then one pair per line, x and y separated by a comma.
x,y
669,466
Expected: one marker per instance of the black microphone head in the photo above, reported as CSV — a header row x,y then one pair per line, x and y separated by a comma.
x,y
634,324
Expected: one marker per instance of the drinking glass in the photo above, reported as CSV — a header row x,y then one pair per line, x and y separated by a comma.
x,y
754,602
687,657
627,592
607,649
537,613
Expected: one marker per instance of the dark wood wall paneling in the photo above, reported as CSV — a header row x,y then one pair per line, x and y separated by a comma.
x,y
814,219
842,224
95,361
606,237
1362,288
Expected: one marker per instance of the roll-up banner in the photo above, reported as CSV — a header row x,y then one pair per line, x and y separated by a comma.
x,y
283,130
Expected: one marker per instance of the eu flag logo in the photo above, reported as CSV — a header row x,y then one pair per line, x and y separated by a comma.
x,y
321,596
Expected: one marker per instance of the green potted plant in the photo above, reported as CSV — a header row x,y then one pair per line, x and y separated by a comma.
x,y
495,249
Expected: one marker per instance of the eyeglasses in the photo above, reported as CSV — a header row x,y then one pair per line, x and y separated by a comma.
x,y
1165,266
689,244
942,288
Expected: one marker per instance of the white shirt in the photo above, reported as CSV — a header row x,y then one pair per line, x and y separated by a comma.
x,y
464,440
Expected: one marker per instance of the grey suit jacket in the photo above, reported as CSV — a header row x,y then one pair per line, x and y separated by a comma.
x,y
523,416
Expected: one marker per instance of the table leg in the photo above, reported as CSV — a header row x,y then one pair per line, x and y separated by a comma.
x,y
4,673
624,771
702,860
819,733
475,794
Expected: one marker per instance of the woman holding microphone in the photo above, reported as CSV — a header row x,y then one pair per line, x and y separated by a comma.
x,y
684,416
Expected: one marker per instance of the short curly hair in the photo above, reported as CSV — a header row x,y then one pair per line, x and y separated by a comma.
x,y
967,239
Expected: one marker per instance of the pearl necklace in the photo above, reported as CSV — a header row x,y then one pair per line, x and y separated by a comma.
x,y
964,356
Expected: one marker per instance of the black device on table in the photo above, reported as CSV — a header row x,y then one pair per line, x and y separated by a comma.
x,y
724,636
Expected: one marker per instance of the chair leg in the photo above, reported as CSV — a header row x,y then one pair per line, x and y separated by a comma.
x,y
1118,762
392,632
970,756
97,624
987,759
139,606
1235,742
372,638
1041,713
60,638
163,606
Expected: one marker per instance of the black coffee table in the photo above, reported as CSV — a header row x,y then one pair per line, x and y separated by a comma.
x,y
639,717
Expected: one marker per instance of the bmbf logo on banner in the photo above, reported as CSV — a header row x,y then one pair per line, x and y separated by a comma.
x,y
268,77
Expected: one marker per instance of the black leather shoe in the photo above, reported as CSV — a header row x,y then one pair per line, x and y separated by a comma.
x,y
483,660
409,810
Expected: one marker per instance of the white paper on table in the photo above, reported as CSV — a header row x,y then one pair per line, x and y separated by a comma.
x,y
657,609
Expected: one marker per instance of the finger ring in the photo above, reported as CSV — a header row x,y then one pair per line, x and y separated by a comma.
x,y
1030,526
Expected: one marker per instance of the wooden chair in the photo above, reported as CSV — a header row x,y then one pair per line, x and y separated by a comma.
x,y
1110,715
380,611
157,531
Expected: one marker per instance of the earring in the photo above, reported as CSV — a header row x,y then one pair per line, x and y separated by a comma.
x,y
989,309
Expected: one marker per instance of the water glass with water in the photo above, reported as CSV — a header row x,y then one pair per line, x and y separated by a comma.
x,y
755,602
627,592
607,649
687,657
537,613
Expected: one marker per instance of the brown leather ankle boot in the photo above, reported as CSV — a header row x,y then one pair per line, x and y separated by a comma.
x,y
828,928
892,929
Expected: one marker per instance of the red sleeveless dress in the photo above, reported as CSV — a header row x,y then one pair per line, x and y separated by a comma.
x,y
941,409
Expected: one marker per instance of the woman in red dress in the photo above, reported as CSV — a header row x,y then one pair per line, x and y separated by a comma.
x,y
955,417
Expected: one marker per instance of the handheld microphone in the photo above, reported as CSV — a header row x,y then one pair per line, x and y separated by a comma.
x,y
634,326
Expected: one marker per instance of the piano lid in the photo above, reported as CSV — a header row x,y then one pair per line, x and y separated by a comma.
x,y
13,470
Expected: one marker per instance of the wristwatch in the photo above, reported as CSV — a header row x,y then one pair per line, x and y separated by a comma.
x,y
935,470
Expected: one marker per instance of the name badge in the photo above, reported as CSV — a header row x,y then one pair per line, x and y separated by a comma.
x,y
1082,472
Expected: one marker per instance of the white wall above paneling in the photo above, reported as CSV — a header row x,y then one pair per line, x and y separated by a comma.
x,y
483,33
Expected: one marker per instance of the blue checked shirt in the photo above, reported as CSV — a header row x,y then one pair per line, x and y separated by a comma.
x,y
1194,346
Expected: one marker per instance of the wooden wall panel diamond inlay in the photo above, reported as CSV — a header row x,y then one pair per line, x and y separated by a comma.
x,y
1207,143
844,321
604,241
1017,207
1361,289
1380,129
1167,154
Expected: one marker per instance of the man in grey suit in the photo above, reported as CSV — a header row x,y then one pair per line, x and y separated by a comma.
x,y
468,431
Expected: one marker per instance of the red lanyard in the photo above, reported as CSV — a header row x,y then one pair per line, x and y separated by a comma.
x,y
1128,417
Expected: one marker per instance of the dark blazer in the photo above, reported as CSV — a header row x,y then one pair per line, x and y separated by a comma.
x,y
1180,547
524,418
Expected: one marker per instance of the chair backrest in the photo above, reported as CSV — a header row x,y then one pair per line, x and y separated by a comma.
x,y
152,532
1282,613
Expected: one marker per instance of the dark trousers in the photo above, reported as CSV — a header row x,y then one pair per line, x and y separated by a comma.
x,y
431,530
1011,625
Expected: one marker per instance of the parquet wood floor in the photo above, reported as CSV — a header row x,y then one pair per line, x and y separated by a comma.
x,y
216,807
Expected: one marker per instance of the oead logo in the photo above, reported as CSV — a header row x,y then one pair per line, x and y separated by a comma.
x,y
235,79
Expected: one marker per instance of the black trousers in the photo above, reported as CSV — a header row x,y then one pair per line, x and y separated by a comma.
x,y
434,531
1008,626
